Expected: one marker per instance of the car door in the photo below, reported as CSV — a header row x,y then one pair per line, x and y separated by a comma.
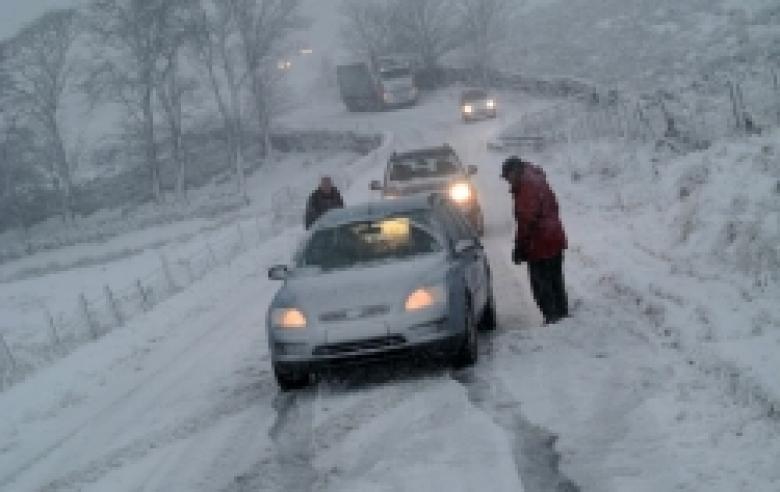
x,y
473,262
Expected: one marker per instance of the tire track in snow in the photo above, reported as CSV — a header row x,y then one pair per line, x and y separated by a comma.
x,y
533,447
303,430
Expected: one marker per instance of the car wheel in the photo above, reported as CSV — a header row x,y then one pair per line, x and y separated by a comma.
x,y
290,379
488,320
469,350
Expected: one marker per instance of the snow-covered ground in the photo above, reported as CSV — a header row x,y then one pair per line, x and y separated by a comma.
x,y
182,397
664,378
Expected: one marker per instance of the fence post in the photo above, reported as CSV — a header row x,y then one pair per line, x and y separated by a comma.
x,y
7,361
53,334
166,268
143,295
113,306
240,231
187,263
212,256
88,318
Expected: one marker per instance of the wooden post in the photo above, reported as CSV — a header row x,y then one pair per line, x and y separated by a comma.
x,y
53,334
143,295
241,244
113,306
187,264
212,256
6,357
166,268
88,318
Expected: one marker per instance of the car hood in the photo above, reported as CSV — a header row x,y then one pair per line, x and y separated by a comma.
x,y
424,185
368,290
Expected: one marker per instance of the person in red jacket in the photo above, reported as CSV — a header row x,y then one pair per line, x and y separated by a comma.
x,y
540,238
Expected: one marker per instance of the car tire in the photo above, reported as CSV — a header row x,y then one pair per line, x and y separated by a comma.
x,y
468,351
488,320
290,379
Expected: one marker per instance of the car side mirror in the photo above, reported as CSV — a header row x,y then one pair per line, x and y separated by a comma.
x,y
375,185
465,245
278,272
471,169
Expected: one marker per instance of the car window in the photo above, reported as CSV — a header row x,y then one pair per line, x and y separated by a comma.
x,y
395,73
473,95
387,239
420,167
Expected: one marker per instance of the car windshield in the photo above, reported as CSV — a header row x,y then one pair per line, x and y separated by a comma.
x,y
420,167
395,73
354,243
474,95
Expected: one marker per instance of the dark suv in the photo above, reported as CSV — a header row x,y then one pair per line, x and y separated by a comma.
x,y
433,169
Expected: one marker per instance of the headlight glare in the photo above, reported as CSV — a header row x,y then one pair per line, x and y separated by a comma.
x,y
424,298
460,192
491,104
288,318
468,108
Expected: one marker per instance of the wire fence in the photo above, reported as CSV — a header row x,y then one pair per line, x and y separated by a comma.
x,y
682,119
97,315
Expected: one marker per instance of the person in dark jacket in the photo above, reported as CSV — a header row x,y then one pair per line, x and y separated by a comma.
x,y
540,238
324,198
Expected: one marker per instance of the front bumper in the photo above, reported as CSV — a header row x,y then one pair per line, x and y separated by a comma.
x,y
427,337
478,112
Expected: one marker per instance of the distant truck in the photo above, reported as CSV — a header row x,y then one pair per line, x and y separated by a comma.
x,y
359,87
376,85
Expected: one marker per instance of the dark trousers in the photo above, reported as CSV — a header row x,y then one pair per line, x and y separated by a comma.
x,y
548,288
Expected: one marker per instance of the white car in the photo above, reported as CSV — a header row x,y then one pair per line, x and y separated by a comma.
x,y
386,278
477,103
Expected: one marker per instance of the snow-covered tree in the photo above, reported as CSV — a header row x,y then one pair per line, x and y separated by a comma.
x,y
217,42
486,24
263,26
40,72
370,28
428,28
132,40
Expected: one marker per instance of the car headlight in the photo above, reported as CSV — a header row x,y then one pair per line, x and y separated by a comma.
x,y
460,192
491,104
424,298
468,108
288,318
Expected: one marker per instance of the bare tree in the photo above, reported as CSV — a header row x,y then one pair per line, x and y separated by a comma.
x,y
428,28
173,85
263,26
133,38
485,26
40,69
217,42
370,29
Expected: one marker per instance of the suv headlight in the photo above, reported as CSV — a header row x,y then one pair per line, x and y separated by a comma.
x,y
288,318
425,298
460,192
468,108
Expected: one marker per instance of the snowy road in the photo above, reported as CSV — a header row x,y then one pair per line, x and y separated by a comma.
x,y
183,397
184,400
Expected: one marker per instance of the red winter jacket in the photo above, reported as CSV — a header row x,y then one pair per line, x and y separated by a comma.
x,y
540,232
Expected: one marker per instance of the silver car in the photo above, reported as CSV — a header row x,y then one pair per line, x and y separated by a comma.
x,y
380,279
